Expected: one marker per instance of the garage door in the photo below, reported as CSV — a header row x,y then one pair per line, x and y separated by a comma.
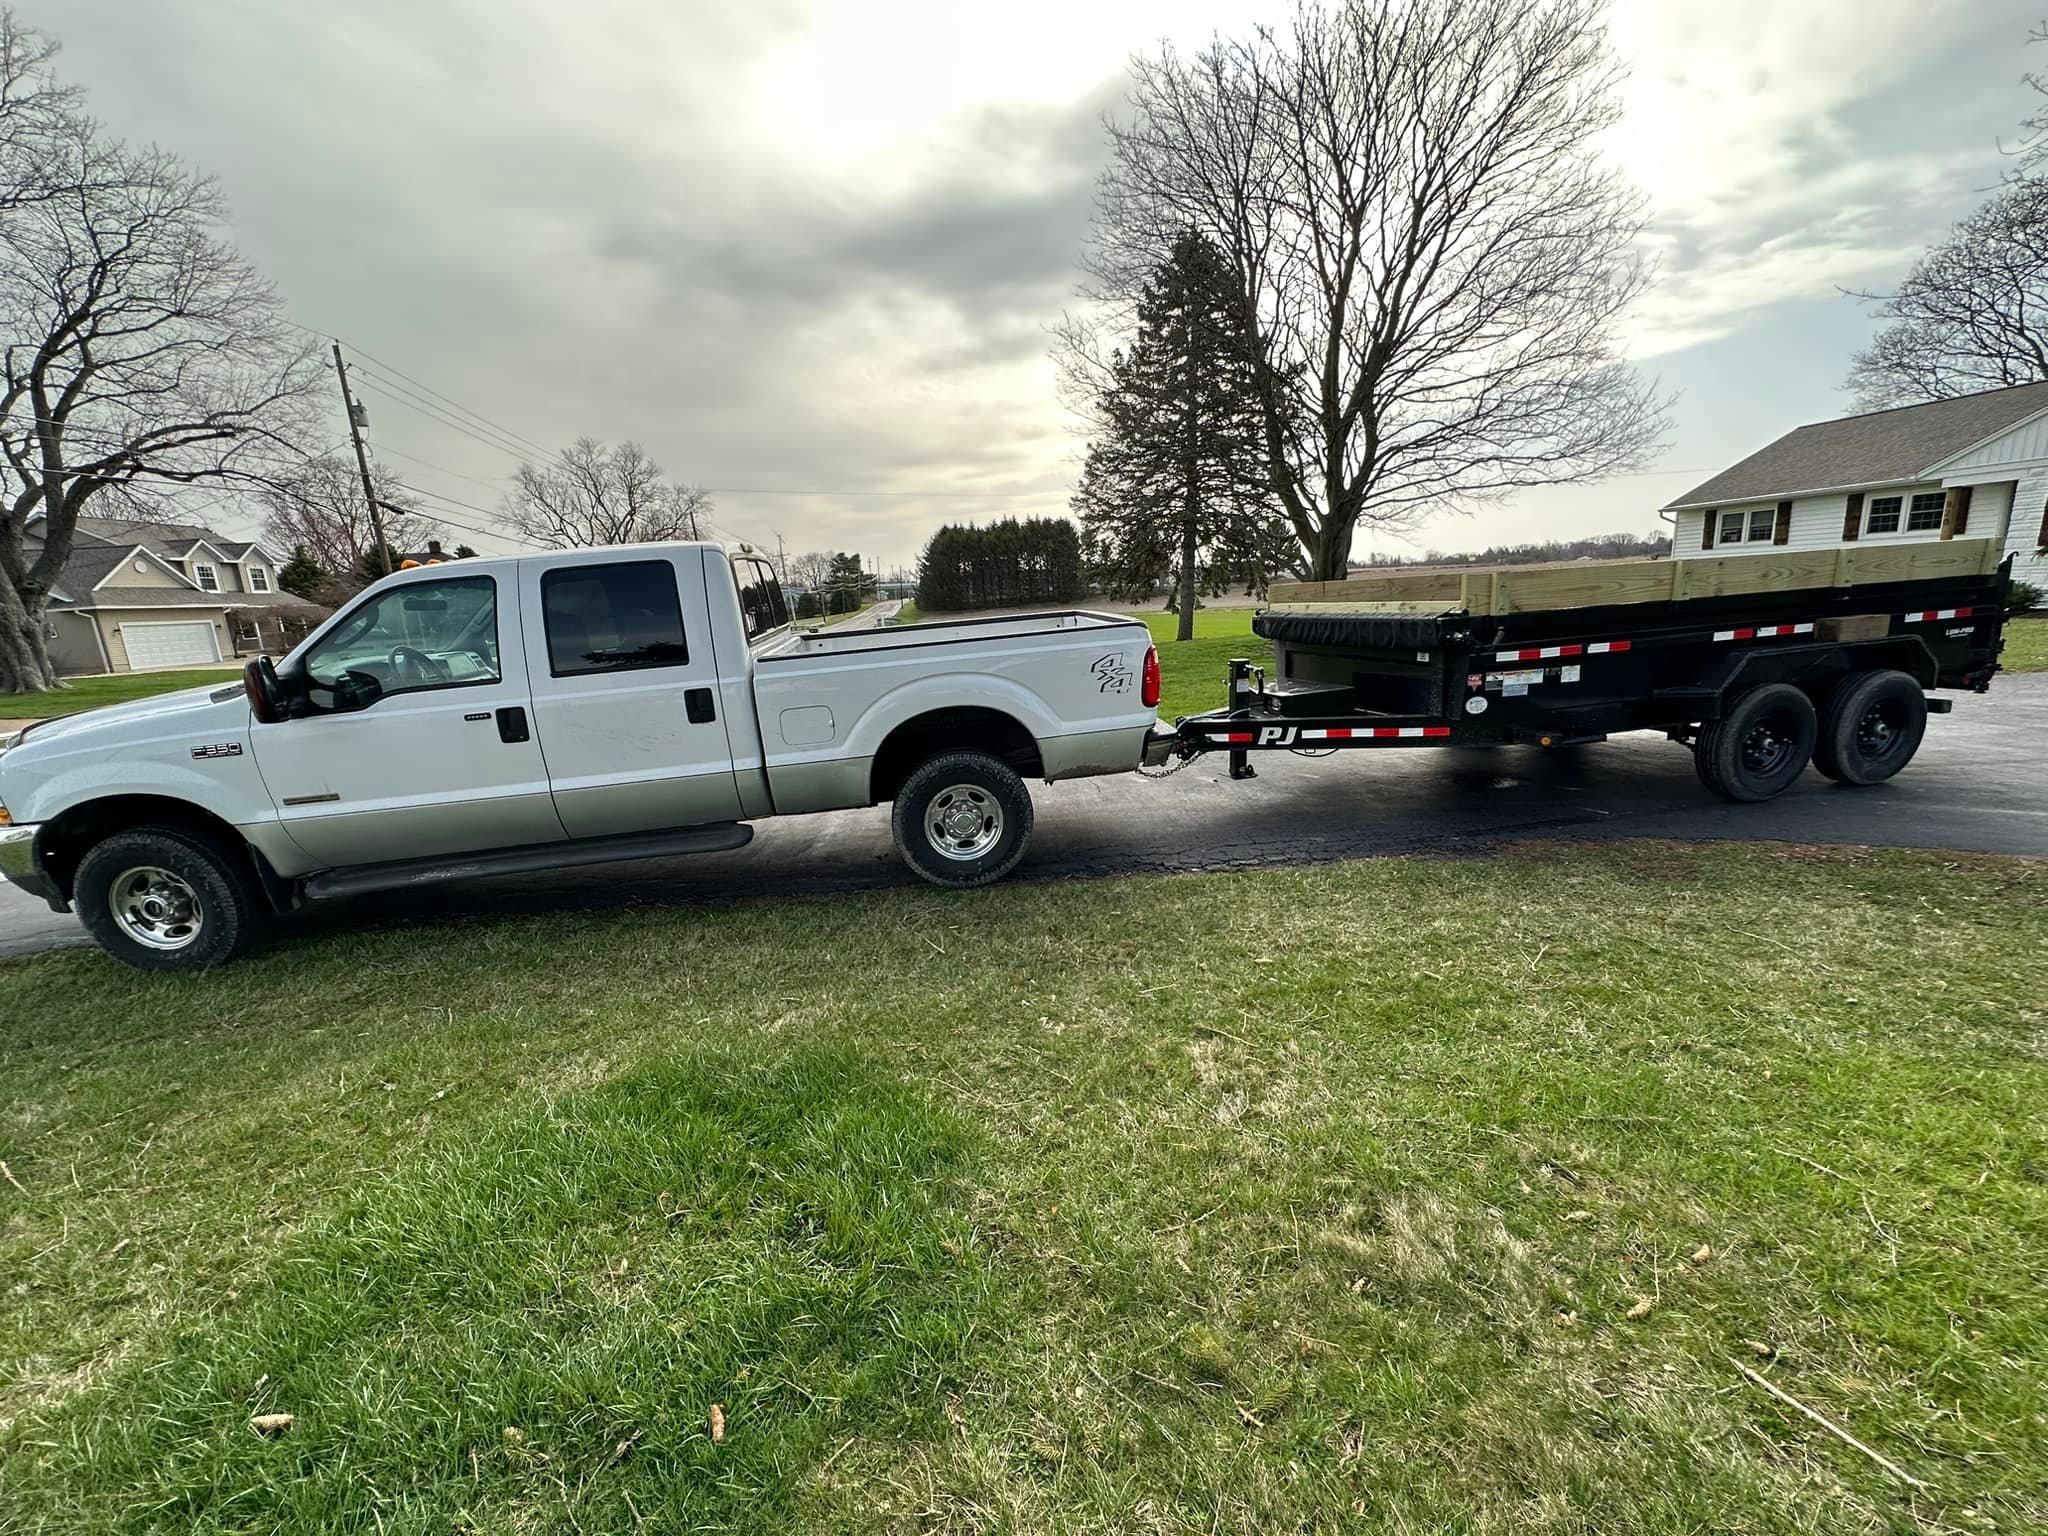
x,y
170,645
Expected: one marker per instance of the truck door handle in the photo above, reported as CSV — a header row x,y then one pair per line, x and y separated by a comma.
x,y
698,706
512,724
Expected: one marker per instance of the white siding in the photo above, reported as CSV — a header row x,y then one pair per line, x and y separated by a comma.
x,y
2023,530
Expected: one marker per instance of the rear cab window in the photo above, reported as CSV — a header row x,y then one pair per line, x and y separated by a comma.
x,y
619,616
761,601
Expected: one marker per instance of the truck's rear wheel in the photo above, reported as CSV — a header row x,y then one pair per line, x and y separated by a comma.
x,y
1871,728
1758,749
165,899
962,819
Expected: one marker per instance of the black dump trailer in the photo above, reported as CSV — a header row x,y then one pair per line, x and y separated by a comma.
x,y
1757,684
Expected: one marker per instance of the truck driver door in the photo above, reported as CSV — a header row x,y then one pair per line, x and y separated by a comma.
x,y
414,739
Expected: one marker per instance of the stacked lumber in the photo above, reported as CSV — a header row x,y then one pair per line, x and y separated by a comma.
x,y
1505,589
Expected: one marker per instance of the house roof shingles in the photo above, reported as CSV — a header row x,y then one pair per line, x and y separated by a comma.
x,y
1879,448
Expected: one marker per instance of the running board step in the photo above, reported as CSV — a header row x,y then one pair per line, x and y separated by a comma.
x,y
412,874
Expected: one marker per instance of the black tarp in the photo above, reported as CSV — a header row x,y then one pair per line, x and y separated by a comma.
x,y
1349,631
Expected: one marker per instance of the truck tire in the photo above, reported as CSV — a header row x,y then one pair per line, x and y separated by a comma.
x,y
1871,728
1758,749
168,899
962,819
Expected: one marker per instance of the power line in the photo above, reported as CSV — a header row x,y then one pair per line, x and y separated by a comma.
x,y
384,389
489,485
497,427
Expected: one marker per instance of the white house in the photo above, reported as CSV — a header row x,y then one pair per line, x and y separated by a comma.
x,y
1975,466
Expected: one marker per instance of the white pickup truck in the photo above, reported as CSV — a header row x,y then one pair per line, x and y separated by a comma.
x,y
502,715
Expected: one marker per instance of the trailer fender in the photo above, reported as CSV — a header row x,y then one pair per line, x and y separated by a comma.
x,y
1819,669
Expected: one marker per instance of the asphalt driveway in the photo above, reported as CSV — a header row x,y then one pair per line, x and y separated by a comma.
x,y
1980,783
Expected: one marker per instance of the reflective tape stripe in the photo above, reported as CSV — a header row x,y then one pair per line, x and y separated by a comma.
x,y
1373,733
1763,632
1538,653
1603,647
1932,615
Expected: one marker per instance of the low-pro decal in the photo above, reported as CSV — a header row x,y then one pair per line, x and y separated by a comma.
x,y
1112,674
219,749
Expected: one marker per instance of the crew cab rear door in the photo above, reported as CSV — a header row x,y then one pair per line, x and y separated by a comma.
x,y
625,690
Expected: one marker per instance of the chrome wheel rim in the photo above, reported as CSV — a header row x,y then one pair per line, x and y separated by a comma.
x,y
963,821
156,908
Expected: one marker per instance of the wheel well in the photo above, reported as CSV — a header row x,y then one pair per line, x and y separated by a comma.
x,y
964,729
66,838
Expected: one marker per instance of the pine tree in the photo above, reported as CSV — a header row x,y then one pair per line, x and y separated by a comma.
x,y
302,575
1175,492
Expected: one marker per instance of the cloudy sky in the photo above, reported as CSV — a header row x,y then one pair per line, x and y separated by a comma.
x,y
808,253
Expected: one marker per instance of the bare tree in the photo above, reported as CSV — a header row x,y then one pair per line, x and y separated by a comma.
x,y
140,350
592,494
1971,315
1428,252
811,569
319,508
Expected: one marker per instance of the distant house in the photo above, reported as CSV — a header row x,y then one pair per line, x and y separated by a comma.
x,y
138,594
1974,467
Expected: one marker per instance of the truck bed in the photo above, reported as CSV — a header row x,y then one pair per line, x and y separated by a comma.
x,y
947,632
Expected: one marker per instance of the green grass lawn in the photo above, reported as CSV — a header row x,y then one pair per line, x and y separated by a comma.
x,y
2026,644
1396,1196
1192,672
83,693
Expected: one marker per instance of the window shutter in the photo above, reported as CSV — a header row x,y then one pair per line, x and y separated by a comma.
x,y
1781,532
1955,516
2043,540
1852,524
1714,516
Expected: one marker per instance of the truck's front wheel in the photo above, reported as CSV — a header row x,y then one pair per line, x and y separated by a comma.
x,y
962,819
165,899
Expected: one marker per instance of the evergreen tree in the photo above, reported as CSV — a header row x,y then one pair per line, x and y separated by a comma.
x,y
303,576
1175,493
847,586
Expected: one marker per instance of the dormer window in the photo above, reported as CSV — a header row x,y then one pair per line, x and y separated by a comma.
x,y
259,579
207,577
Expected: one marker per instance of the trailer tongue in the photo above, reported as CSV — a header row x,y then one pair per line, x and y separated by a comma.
x,y
1760,665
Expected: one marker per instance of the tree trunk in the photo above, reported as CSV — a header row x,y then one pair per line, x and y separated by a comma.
x,y
24,655
1330,559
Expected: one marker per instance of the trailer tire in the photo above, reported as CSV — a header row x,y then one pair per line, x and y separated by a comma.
x,y
962,819
1758,749
169,899
1871,728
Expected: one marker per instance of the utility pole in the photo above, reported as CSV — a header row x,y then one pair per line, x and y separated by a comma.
x,y
355,435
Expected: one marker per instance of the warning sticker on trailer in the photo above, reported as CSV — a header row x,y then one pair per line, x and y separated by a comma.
x,y
1512,685
1567,674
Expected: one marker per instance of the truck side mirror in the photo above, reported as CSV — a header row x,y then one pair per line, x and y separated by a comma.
x,y
266,693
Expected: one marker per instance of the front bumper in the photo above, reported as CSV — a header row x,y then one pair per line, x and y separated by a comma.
x,y
18,865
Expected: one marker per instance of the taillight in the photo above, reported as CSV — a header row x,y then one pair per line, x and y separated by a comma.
x,y
1149,688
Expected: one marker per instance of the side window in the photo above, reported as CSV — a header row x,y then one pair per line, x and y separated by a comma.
x,y
1762,521
1731,527
1884,514
761,601
425,634
612,618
